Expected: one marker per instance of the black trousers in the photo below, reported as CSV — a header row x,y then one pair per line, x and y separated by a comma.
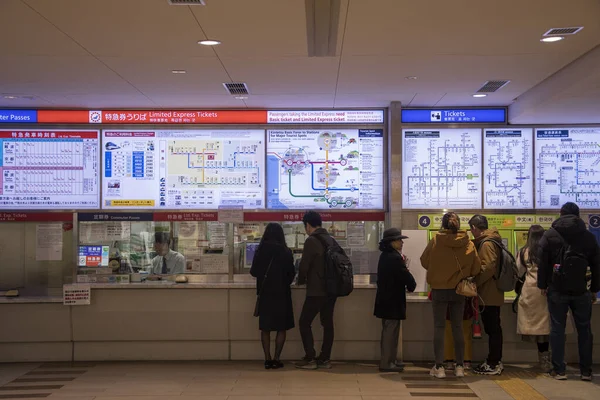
x,y
323,306
490,316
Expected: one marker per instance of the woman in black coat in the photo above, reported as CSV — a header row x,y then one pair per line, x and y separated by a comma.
x,y
273,267
393,278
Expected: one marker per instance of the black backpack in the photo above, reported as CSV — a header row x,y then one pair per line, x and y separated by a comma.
x,y
339,276
507,275
570,276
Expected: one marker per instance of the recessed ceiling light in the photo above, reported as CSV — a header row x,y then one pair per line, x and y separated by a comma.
x,y
241,97
552,39
411,78
209,42
179,71
479,95
10,97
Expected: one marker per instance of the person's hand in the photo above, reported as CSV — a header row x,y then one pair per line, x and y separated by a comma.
x,y
544,292
594,297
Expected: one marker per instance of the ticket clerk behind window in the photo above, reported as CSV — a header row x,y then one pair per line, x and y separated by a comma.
x,y
167,261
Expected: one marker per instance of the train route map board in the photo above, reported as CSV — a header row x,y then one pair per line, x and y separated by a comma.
x,y
441,168
184,169
49,169
325,169
508,168
567,167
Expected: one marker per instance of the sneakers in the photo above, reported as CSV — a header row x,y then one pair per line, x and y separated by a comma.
x,y
586,378
545,361
307,363
324,364
459,371
486,369
438,372
559,376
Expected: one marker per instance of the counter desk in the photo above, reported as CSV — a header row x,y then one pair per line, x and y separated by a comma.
x,y
213,321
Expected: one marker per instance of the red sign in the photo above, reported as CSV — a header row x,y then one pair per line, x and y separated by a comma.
x,y
63,116
326,216
184,117
35,217
48,134
184,216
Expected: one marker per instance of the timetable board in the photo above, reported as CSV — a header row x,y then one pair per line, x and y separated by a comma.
x,y
508,168
567,167
325,169
441,168
183,169
49,169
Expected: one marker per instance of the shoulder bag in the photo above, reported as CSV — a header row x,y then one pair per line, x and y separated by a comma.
x,y
466,287
257,304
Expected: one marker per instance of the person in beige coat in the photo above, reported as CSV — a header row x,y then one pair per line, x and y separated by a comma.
x,y
449,258
533,318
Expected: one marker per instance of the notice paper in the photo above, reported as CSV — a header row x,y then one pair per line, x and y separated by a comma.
x,y
76,295
214,263
116,231
49,242
356,234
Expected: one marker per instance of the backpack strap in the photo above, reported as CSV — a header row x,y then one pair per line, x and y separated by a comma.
x,y
321,239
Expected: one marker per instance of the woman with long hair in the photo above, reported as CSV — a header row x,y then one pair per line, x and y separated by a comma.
x,y
533,317
273,267
449,258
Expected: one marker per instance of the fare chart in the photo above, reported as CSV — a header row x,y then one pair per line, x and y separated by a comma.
x,y
441,168
49,169
508,168
168,169
567,167
325,169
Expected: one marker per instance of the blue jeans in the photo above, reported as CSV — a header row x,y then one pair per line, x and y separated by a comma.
x,y
581,308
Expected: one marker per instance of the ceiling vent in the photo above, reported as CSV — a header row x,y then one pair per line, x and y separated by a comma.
x,y
563,31
187,2
492,86
236,89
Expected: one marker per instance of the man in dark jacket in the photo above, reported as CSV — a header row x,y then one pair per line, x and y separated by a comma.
x,y
557,283
312,273
393,279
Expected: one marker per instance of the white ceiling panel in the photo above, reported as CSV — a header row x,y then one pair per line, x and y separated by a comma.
x,y
376,100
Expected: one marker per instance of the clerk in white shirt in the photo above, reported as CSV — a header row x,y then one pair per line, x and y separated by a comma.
x,y
167,261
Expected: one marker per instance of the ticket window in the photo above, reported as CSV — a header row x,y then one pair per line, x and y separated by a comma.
x,y
36,258
360,240
119,248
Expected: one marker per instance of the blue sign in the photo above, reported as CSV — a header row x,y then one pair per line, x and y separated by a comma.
x,y
18,116
594,225
454,115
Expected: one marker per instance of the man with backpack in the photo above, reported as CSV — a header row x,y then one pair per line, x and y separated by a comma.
x,y
489,247
566,252
327,273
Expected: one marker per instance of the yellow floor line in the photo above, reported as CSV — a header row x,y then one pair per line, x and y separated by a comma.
x,y
518,389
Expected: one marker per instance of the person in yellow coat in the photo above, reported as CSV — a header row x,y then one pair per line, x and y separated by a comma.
x,y
449,353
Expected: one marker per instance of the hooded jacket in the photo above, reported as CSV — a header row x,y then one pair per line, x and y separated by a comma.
x,y
489,254
449,258
575,233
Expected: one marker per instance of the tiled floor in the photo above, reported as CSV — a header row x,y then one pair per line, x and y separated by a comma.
x,y
248,381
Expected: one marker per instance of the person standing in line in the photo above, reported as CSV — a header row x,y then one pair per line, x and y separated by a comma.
x,y
393,279
492,298
533,318
312,273
467,326
566,252
273,267
449,258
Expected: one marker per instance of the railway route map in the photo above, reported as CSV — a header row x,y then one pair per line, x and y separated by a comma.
x,y
567,167
325,169
441,168
508,168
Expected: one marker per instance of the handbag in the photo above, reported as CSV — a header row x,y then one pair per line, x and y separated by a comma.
x,y
257,304
466,287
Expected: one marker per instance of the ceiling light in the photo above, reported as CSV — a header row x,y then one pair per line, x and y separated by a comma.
x,y
551,39
411,78
479,95
10,97
241,97
209,42
179,71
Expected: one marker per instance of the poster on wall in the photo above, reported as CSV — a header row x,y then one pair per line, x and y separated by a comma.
x,y
567,167
508,168
334,169
183,169
49,169
441,168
